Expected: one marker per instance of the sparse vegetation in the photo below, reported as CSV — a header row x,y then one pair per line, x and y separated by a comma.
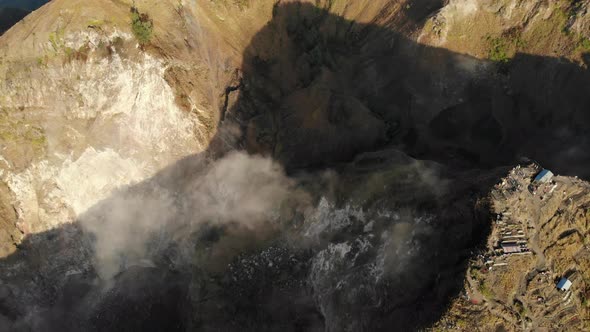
x,y
583,44
484,290
519,307
42,61
81,53
142,26
17,130
549,35
462,323
179,8
570,10
117,42
242,3
69,52
498,50
95,23
474,272
503,48
56,39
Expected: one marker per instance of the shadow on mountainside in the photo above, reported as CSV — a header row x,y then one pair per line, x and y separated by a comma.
x,y
9,17
13,11
311,77
317,92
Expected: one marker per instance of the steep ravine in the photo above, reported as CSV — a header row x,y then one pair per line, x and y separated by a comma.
x,y
262,165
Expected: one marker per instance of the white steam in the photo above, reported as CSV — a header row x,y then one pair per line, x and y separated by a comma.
x,y
239,189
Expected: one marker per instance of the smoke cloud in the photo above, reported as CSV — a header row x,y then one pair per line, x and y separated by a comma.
x,y
138,222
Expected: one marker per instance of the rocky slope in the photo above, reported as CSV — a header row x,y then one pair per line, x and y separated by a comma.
x,y
518,291
392,120
326,260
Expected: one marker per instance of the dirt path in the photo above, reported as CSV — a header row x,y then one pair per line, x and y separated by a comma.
x,y
474,293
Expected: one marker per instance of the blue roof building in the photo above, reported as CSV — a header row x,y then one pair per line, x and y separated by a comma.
x,y
564,284
544,176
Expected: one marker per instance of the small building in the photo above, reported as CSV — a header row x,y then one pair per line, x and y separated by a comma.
x,y
510,247
564,284
544,176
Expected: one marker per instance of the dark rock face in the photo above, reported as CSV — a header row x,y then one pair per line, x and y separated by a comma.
x,y
370,262
265,290
50,285
319,89
144,299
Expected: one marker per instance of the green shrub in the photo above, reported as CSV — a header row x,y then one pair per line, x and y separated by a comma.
x,y
583,44
56,39
242,3
142,26
484,290
117,42
69,51
95,23
42,61
502,48
498,50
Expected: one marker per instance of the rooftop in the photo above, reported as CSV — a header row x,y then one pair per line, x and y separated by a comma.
x,y
564,284
544,176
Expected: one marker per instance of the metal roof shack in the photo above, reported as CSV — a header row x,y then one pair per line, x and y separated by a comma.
x,y
510,247
564,284
544,176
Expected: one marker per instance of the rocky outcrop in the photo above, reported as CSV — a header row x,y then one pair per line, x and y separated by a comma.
x,y
308,75
306,257
10,235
